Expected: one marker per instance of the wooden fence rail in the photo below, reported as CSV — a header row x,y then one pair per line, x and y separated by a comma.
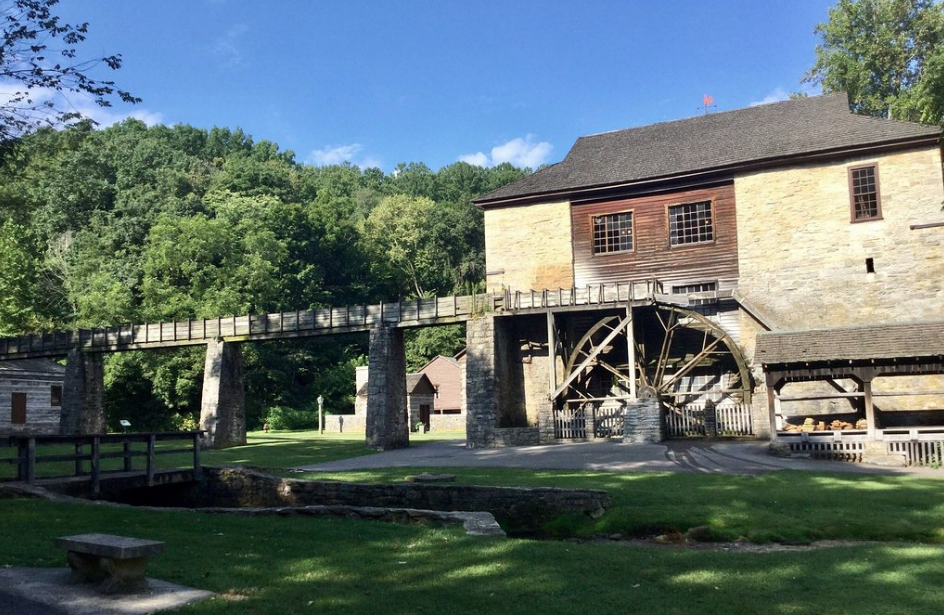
x,y
27,457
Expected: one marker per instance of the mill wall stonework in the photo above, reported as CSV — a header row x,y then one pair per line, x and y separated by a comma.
x,y
529,247
804,262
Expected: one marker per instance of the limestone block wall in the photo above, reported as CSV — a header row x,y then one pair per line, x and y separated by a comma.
x,y
223,405
83,395
529,247
804,262
386,412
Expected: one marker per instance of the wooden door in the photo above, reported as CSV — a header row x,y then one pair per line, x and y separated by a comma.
x,y
18,414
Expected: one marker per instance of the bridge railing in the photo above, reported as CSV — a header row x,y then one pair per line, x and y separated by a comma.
x,y
264,326
319,321
592,294
95,456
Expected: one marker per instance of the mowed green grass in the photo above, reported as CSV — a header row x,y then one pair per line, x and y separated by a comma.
x,y
315,565
284,566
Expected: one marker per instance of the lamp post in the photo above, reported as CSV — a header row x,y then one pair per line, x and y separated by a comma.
x,y
320,414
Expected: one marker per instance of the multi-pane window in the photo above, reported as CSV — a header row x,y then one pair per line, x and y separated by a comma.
x,y
613,233
690,223
863,189
688,289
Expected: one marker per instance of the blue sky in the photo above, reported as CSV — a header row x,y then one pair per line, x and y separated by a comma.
x,y
383,82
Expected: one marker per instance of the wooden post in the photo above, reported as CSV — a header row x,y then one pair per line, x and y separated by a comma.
x,y
773,405
631,352
31,461
870,410
197,471
150,460
551,353
78,462
96,464
126,449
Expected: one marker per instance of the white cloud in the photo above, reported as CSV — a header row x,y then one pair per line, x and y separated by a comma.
x,y
521,152
779,94
338,154
227,47
77,102
478,159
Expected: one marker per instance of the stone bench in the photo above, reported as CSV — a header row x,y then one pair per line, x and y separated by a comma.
x,y
116,563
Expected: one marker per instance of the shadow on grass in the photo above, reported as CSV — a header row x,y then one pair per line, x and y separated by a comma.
x,y
303,565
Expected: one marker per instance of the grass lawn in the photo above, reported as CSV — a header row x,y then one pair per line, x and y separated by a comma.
x,y
317,565
284,566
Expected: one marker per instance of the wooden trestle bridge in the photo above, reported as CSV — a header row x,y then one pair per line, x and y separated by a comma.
x,y
664,342
330,320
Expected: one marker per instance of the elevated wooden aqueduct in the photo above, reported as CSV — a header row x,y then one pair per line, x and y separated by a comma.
x,y
602,347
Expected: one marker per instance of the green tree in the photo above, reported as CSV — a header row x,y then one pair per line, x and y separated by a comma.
x,y
38,56
18,280
887,54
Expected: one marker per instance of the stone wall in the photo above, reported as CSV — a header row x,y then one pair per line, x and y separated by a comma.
x,y
516,436
481,384
223,406
345,423
803,261
386,390
83,395
517,508
643,420
356,424
529,247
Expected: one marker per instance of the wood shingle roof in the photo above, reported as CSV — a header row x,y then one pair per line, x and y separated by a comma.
x,y
713,143
863,343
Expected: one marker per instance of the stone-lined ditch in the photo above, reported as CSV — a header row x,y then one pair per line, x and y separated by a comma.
x,y
520,511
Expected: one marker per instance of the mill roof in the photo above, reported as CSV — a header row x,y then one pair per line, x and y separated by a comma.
x,y
715,142
861,343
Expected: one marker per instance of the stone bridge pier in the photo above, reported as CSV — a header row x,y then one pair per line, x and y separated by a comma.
x,y
223,406
387,425
83,395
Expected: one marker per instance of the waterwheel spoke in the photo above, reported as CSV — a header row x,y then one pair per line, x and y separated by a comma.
x,y
690,365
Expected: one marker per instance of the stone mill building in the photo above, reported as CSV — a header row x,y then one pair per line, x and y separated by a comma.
x,y
782,265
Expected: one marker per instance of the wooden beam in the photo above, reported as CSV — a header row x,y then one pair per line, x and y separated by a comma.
x,y
590,357
869,409
631,350
551,353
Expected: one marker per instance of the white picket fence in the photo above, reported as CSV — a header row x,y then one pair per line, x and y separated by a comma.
x,y
689,421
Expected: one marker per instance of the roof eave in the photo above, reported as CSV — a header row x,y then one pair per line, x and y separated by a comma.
x,y
589,191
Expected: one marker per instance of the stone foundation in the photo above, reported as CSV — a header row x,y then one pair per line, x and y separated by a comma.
x,y
643,420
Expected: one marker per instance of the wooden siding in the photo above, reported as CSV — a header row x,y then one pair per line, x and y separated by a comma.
x,y
652,256
41,417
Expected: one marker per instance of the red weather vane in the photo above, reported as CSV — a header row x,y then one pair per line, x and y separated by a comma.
x,y
706,102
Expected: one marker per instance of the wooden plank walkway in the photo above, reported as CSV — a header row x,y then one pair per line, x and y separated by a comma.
x,y
324,321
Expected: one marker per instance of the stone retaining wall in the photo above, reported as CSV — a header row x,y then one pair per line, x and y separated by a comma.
x,y
515,508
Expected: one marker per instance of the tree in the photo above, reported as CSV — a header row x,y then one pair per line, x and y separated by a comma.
x,y
887,54
39,61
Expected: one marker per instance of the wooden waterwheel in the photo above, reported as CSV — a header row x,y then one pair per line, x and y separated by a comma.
x,y
677,353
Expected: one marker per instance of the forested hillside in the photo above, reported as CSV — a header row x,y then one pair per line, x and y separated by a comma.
x,y
137,224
